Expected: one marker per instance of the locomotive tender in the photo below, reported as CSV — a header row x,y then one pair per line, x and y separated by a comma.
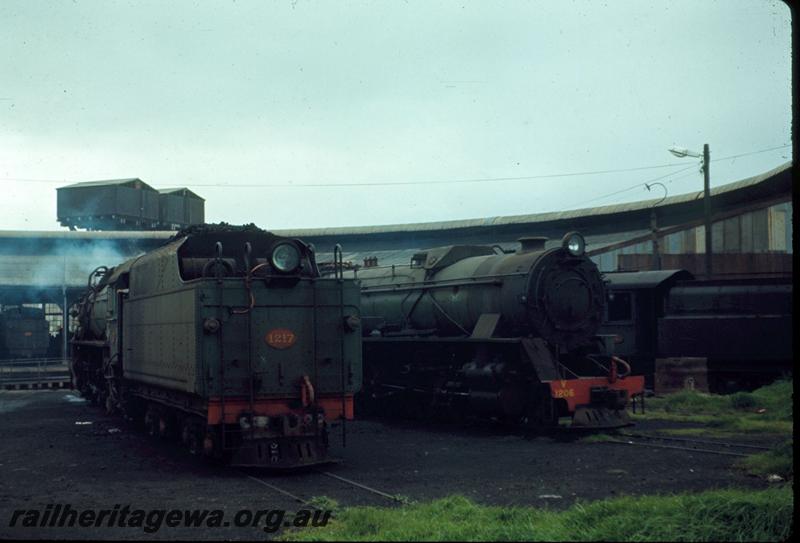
x,y
24,333
465,330
228,338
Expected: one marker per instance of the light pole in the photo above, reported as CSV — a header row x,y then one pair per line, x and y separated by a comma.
x,y
654,224
680,152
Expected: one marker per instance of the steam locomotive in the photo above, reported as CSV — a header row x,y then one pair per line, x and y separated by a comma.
x,y
228,338
464,330
24,333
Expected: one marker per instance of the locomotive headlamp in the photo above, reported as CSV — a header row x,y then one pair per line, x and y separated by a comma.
x,y
285,257
574,243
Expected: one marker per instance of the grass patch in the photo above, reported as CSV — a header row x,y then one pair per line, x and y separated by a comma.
x,y
722,515
767,410
778,461
774,399
732,425
699,432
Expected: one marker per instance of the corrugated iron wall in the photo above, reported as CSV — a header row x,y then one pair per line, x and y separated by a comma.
x,y
759,232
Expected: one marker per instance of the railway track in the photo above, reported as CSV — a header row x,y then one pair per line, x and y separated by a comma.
x,y
705,446
306,501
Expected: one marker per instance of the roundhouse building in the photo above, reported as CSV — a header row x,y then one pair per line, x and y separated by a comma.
x,y
751,234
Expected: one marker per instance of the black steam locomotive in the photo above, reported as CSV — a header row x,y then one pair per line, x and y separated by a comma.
x,y
465,330
227,338
24,333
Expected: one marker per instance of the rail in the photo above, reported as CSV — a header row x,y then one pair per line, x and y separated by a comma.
x,y
685,444
308,503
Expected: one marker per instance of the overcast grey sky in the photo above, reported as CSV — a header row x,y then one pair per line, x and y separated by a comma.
x,y
288,93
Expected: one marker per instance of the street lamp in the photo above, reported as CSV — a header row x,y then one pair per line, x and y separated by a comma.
x,y
680,152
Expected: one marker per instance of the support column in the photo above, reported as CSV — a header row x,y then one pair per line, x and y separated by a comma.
x,y
707,207
65,354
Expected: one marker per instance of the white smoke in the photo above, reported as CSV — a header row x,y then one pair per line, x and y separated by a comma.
x,y
31,265
71,264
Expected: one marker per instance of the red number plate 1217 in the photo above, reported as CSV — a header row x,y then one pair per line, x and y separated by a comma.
x,y
280,338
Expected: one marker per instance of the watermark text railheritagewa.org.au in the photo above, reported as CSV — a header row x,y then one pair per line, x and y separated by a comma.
x,y
152,520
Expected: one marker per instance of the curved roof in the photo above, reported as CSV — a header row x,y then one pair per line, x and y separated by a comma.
x,y
419,227
535,217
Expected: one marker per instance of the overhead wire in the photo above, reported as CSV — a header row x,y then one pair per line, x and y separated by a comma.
x,y
751,153
644,183
632,187
390,183
444,181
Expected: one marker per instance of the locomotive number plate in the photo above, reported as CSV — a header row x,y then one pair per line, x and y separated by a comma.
x,y
280,338
565,393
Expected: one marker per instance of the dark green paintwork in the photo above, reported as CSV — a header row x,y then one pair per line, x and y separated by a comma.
x,y
164,342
